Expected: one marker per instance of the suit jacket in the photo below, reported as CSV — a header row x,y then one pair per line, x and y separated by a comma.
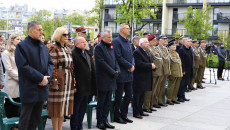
x,y
143,71
33,62
11,85
106,66
133,47
124,58
175,64
84,73
186,56
166,61
156,58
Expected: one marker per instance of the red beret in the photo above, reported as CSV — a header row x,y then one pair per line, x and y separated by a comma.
x,y
151,37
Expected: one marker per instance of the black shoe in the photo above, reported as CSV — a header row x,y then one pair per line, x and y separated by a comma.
x,y
120,120
188,90
163,105
185,99
147,110
138,116
101,126
176,102
67,117
200,87
193,88
203,78
144,114
170,103
107,125
180,100
203,81
152,109
156,106
127,120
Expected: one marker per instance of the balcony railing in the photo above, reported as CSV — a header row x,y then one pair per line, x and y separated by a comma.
x,y
223,17
110,16
218,32
185,1
219,1
180,32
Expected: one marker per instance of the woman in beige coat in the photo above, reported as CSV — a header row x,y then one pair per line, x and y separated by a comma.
x,y
11,85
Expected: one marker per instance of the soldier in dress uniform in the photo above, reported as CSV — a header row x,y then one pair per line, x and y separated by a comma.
x,y
81,32
202,64
151,97
163,41
196,59
175,76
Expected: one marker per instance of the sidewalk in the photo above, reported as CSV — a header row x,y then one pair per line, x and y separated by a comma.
x,y
208,109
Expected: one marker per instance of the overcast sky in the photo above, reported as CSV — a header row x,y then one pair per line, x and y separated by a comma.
x,y
55,4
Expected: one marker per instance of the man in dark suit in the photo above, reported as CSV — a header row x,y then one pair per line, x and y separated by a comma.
x,y
142,77
107,70
85,81
186,56
125,60
135,43
35,66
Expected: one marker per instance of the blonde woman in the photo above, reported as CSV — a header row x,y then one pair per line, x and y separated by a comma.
x,y
61,92
11,85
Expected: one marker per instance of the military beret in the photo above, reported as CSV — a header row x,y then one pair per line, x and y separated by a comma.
x,y
171,43
151,37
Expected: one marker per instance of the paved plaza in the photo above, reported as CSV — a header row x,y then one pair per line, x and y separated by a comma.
x,y
208,109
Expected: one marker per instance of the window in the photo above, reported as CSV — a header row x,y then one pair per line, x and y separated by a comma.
x,y
215,13
175,13
106,24
215,30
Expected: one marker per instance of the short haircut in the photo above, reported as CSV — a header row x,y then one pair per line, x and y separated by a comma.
x,y
56,37
122,25
32,24
142,40
77,39
184,39
203,41
135,38
105,33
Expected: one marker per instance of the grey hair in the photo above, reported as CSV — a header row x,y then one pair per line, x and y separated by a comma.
x,y
122,25
105,33
135,38
32,24
184,39
142,40
77,39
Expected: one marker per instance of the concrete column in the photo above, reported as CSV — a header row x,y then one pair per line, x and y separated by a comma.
x,y
165,16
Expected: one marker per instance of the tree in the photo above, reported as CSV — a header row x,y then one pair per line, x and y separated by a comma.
x,y
3,24
75,18
225,38
142,9
99,6
197,22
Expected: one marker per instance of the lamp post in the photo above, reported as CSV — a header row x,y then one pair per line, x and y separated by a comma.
x,y
133,20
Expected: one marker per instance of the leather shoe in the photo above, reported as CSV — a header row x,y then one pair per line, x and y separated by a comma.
x,y
203,81
163,105
185,99
101,126
188,90
143,114
107,125
193,88
200,87
147,110
176,102
120,120
156,106
152,109
138,116
127,120
180,100
170,103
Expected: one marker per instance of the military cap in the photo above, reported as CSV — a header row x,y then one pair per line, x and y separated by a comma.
x,y
162,37
171,43
81,29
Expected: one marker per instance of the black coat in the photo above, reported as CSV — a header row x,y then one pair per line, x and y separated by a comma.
x,y
186,55
84,73
142,76
106,66
132,47
33,62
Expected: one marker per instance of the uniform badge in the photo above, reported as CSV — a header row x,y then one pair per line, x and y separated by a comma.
x,y
111,47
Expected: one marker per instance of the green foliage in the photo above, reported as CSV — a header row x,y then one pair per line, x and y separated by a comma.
x,y
75,18
3,24
214,60
176,35
99,5
197,22
225,38
142,9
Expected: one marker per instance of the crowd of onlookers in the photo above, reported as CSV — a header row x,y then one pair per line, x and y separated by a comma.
x,y
67,73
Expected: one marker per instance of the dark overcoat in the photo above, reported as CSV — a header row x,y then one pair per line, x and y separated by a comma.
x,y
84,71
33,62
124,58
106,66
142,76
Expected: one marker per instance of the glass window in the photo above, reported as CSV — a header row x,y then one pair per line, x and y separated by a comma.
x,y
215,13
215,29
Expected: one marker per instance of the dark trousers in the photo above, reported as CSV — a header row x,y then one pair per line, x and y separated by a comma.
x,y
11,110
30,115
138,101
121,108
183,87
79,109
103,105
220,69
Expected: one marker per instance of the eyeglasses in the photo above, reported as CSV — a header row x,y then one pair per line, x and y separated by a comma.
x,y
65,35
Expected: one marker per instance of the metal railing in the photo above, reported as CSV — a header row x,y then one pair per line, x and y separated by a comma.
x,y
173,31
218,32
223,16
219,1
184,1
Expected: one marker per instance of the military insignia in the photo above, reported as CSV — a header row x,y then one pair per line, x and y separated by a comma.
x,y
111,47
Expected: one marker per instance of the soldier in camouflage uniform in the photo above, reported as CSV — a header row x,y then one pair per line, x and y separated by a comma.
x,y
151,97
202,65
175,76
196,59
